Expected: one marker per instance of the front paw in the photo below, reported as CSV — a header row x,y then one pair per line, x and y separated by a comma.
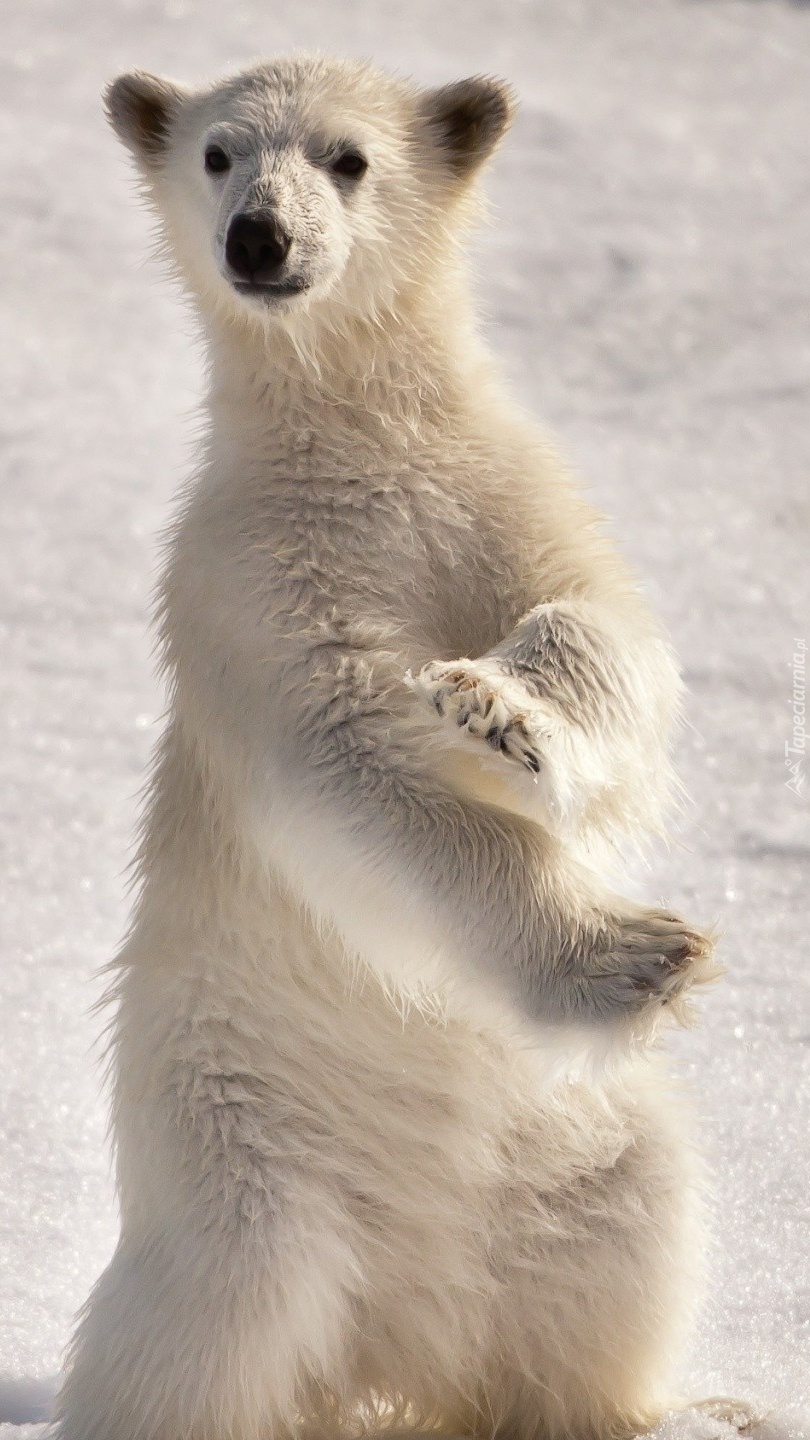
x,y
480,700
643,960
553,768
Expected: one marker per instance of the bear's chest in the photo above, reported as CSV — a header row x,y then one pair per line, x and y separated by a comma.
x,y
413,546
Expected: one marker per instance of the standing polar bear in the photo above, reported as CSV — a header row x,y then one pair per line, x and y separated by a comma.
x,y
392,1148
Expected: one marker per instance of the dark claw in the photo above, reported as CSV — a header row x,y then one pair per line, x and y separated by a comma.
x,y
533,763
495,737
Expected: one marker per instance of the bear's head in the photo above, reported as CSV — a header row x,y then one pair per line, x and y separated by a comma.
x,y
305,182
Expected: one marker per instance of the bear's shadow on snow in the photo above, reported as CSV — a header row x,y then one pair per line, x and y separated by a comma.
x,y
26,1401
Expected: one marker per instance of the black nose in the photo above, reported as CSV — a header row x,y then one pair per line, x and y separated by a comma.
x,y
256,249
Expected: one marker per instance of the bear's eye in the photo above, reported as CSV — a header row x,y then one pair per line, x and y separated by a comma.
x,y
216,161
349,164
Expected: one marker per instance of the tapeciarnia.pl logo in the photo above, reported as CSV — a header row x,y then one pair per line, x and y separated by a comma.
x,y
796,747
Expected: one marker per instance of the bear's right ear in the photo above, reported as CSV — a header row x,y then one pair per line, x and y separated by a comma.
x,y
141,109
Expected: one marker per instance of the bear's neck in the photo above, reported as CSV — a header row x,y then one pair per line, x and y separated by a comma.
x,y
397,376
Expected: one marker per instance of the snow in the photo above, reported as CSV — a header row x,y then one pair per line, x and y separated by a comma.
x,y
646,280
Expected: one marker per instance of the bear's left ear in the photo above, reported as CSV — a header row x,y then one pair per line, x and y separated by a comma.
x,y
141,109
466,120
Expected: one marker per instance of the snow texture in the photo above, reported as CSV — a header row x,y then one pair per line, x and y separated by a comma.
x,y
646,280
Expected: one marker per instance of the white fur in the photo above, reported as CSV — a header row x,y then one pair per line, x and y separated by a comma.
x,y
369,1175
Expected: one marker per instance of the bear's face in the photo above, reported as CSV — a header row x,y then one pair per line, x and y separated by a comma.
x,y
306,179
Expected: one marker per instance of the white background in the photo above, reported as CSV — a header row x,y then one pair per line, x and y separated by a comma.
x,y
646,280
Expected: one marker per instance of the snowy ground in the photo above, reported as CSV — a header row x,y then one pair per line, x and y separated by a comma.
x,y
646,279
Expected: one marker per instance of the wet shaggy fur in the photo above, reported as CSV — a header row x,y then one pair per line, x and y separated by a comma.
x,y
392,1147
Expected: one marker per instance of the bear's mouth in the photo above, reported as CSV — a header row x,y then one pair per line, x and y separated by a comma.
x,y
270,290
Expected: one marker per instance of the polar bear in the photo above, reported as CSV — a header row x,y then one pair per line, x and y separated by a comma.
x,y
393,1149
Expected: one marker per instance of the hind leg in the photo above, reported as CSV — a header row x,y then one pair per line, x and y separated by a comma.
x,y
598,1279
212,1346
229,1292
